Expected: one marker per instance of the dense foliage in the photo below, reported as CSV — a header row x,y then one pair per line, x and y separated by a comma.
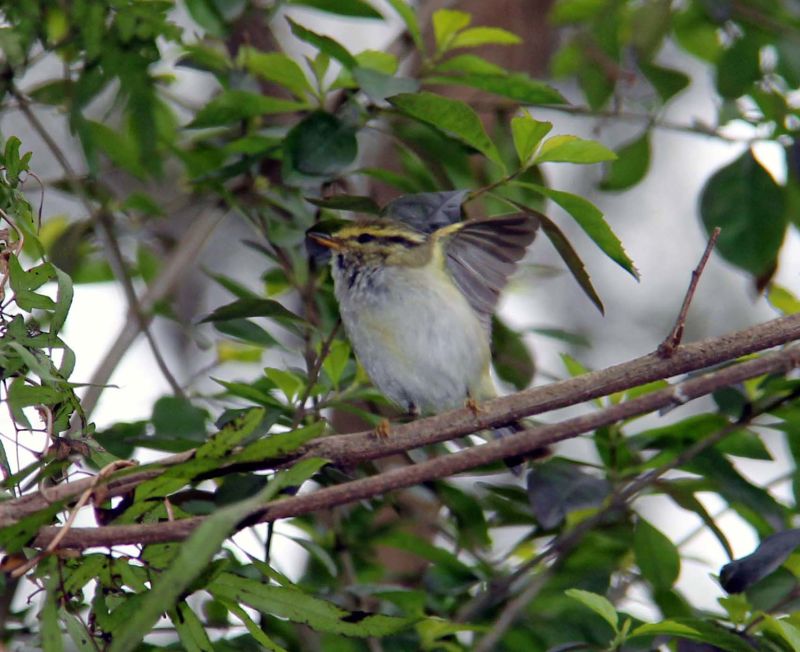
x,y
282,144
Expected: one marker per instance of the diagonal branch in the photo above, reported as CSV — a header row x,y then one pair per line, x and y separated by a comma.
x,y
360,447
444,465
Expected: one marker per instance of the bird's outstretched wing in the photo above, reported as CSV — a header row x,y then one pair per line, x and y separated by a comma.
x,y
481,254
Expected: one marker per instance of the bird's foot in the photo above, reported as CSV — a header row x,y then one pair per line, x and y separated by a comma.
x,y
383,429
472,405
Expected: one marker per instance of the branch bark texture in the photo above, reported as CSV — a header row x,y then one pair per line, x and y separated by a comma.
x,y
359,447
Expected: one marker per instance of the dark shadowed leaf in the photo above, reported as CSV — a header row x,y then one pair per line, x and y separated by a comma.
x,y
177,418
320,145
571,258
666,81
742,573
510,357
558,487
746,203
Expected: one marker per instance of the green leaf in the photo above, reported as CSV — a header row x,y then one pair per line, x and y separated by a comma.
x,y
510,357
300,607
786,630
409,17
527,133
591,220
236,105
52,640
353,8
739,67
246,331
279,445
517,86
571,258
470,64
453,117
193,556
231,435
746,203
667,82
695,629
783,300
630,166
656,556
597,603
571,149
252,627
320,145
190,630
276,67
254,307
476,36
177,418
324,44
336,361
290,384
576,11
206,14
446,24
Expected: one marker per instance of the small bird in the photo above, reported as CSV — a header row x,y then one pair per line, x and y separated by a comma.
x,y
416,302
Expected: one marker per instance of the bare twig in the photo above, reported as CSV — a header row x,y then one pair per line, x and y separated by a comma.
x,y
445,465
668,346
360,447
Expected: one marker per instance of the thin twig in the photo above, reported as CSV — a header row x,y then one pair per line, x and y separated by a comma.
x,y
115,256
313,374
668,346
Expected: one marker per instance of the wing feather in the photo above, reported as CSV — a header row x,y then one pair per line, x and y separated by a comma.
x,y
483,253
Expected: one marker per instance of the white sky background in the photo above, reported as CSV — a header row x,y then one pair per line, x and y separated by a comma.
x,y
657,221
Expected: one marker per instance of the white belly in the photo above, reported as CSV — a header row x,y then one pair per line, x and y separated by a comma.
x,y
420,341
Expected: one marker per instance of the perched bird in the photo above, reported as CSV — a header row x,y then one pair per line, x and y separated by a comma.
x,y
416,301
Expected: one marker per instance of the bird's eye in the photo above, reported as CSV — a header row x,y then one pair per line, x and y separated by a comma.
x,y
364,238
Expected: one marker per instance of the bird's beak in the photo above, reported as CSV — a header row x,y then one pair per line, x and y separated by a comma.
x,y
325,240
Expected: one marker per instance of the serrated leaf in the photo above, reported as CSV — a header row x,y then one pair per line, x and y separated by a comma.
x,y
571,258
590,219
597,603
656,556
453,117
298,606
571,149
193,556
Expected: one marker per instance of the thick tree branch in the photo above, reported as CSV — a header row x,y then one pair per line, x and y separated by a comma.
x,y
355,448
444,465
